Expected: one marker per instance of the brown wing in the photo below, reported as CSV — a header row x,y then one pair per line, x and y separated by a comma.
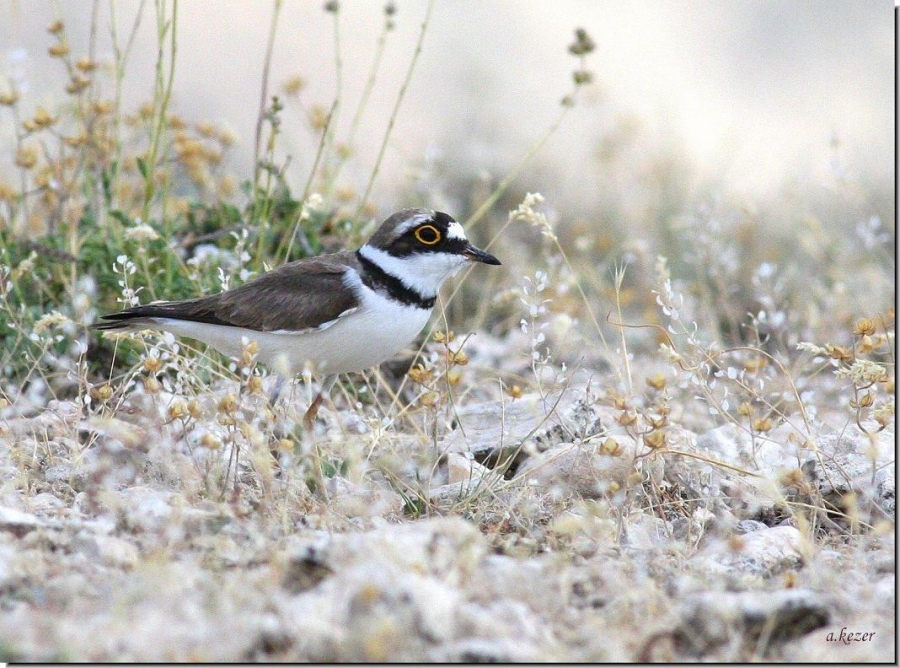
x,y
296,296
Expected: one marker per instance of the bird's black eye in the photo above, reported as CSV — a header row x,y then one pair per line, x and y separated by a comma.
x,y
428,235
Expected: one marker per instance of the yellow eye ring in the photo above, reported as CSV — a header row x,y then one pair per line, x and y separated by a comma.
x,y
428,235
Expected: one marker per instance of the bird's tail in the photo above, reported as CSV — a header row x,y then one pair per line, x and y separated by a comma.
x,y
136,317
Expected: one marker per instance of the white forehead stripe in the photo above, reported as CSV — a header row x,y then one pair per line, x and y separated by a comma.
x,y
456,231
415,221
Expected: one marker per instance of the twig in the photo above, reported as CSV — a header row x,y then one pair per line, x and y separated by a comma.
x,y
393,118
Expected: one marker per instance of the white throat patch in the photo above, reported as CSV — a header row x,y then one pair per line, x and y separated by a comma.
x,y
422,272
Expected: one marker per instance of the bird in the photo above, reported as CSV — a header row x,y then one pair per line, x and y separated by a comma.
x,y
335,313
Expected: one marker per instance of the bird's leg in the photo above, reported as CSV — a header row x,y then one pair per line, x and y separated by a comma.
x,y
310,415
275,394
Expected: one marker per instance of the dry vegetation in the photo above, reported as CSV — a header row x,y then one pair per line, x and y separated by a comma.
x,y
617,456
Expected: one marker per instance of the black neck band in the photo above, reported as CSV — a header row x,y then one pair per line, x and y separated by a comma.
x,y
378,279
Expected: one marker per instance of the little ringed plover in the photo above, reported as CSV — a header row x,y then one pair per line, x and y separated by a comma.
x,y
341,312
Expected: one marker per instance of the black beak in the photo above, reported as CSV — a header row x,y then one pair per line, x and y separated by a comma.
x,y
478,255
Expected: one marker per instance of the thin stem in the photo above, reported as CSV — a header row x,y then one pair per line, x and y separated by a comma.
x,y
482,210
161,95
367,92
263,98
295,229
121,57
400,96
330,129
504,184
619,278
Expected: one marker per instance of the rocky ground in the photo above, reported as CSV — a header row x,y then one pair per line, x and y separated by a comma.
x,y
537,528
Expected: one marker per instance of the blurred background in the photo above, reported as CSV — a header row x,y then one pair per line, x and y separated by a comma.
x,y
744,99
751,142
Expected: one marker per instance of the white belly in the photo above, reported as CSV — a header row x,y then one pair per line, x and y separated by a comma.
x,y
375,332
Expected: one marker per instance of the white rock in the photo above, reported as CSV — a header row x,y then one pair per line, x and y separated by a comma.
x,y
462,468
739,620
374,610
504,619
46,503
352,500
448,548
733,445
886,490
585,468
530,423
749,526
444,496
852,462
835,463
129,435
765,552
645,532
141,507
58,473
378,609
487,650
109,550
18,522
540,584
